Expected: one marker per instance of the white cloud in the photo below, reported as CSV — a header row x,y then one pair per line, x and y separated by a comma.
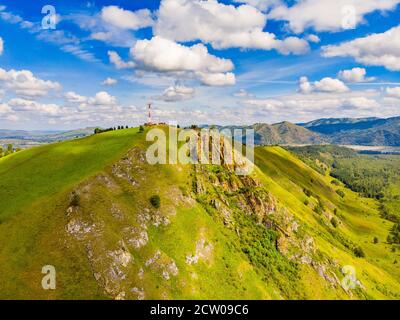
x,y
262,5
162,55
242,93
393,92
379,49
305,86
125,19
354,75
103,98
313,38
1,46
109,82
74,97
324,85
217,79
116,60
4,109
221,25
330,85
24,83
19,104
165,55
328,15
301,107
177,93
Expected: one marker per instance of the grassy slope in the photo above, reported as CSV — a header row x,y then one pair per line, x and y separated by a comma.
x,y
33,226
286,176
33,186
32,221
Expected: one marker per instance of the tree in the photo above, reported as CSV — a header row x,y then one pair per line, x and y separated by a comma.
x,y
359,252
334,222
10,149
155,201
1,152
376,240
141,128
340,193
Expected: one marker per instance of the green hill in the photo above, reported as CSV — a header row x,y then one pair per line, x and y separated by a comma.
x,y
84,207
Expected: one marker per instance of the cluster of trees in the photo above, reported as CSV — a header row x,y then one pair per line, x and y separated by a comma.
x,y
99,130
394,236
8,150
373,176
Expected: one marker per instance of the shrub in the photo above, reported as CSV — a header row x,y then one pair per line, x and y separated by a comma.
x,y
340,193
359,252
141,129
75,200
307,192
376,240
306,202
334,222
155,201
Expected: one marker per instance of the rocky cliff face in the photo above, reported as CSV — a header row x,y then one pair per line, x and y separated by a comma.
x,y
110,216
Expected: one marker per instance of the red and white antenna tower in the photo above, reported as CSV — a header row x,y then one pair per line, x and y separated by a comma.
x,y
149,116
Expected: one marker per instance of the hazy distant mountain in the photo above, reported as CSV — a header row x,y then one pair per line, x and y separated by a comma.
x,y
24,138
285,133
364,131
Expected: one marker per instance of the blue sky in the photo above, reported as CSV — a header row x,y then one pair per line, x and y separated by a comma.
x,y
225,62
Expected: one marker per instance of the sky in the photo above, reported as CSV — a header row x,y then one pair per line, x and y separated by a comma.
x,y
73,64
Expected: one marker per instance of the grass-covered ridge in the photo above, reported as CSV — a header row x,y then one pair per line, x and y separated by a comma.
x,y
116,227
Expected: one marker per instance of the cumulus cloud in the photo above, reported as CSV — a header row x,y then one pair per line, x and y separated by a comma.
x,y
379,49
24,83
301,107
328,15
18,104
262,5
305,86
324,85
217,79
74,97
102,98
393,92
1,46
355,75
166,55
313,38
116,60
330,85
163,55
221,25
109,82
125,19
177,93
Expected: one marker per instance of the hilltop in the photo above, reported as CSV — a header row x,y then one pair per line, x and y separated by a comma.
x,y
283,232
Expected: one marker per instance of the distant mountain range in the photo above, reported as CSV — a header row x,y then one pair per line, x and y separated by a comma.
x,y
363,131
343,131
25,139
